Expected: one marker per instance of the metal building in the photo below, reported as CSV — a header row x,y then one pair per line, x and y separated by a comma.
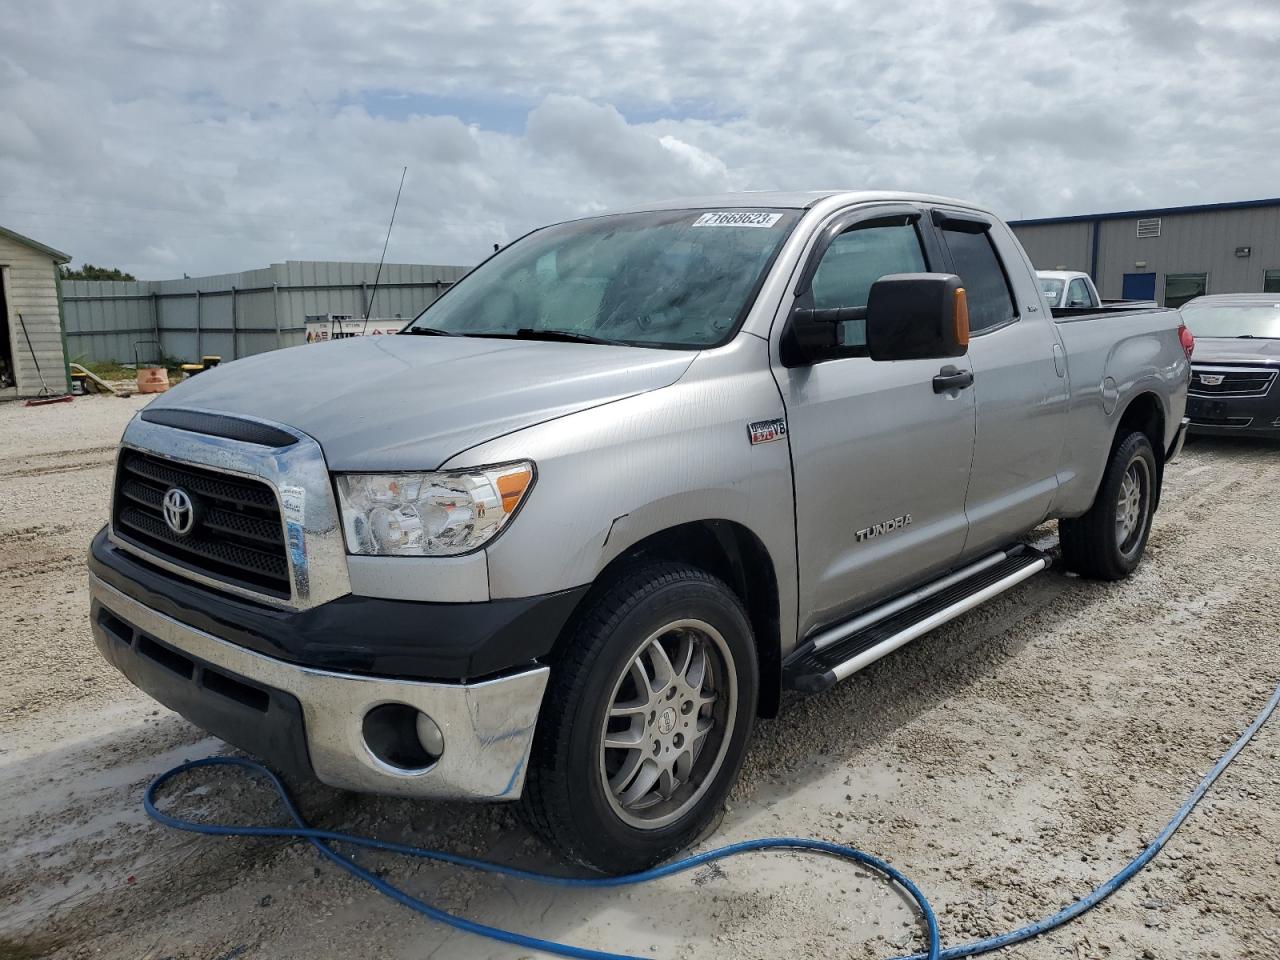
x,y
1170,254
33,347
237,314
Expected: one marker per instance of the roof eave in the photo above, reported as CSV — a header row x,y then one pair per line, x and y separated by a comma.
x,y
57,255
1153,212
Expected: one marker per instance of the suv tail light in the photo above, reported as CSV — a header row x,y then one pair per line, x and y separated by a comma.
x,y
1187,339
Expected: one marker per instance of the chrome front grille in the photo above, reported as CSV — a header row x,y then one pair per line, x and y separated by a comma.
x,y
237,536
1209,381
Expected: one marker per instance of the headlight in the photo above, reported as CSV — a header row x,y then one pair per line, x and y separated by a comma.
x,y
429,514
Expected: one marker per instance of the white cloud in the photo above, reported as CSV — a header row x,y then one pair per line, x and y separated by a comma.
x,y
703,165
204,137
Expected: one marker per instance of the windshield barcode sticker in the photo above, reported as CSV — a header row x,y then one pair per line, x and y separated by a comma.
x,y
737,218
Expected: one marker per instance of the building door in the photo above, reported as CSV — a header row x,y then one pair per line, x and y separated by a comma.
x,y
1139,286
8,372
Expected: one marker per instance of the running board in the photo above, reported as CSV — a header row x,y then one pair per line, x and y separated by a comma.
x,y
842,650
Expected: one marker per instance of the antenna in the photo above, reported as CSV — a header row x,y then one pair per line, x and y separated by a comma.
x,y
378,276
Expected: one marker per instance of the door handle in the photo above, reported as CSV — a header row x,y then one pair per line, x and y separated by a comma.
x,y
950,378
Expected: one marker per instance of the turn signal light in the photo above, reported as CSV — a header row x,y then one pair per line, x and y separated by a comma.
x,y
511,486
1187,339
960,313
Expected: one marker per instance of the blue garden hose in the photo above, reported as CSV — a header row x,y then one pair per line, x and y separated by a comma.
x,y
321,840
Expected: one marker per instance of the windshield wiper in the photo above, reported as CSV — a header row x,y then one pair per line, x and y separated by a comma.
x,y
1254,336
429,332
564,336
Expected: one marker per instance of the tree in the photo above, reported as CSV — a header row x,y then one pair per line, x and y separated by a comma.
x,y
90,272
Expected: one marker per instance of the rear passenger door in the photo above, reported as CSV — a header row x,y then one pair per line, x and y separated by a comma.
x,y
1019,381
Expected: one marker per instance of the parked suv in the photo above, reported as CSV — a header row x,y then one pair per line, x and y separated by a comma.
x,y
568,535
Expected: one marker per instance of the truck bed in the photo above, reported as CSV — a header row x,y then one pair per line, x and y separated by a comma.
x,y
1140,354
1072,314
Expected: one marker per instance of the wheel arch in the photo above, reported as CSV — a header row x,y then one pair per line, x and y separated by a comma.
x,y
1145,413
731,552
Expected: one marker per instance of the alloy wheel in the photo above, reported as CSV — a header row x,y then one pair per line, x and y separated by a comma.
x,y
668,724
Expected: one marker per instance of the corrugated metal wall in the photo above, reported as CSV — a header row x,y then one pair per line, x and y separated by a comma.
x,y
236,314
1058,246
1192,242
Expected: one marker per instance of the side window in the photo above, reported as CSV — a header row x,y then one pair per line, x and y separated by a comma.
x,y
990,301
855,260
1078,294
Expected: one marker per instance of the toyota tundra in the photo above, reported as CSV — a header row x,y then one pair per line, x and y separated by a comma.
x,y
566,536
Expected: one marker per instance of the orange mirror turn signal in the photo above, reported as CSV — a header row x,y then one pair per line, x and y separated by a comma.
x,y
961,316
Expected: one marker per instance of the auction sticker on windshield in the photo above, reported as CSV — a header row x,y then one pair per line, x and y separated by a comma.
x,y
737,218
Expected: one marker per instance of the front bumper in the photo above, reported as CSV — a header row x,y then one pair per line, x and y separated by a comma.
x,y
377,636
1235,416
308,721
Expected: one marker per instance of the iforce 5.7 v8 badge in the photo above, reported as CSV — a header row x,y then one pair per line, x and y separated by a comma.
x,y
766,431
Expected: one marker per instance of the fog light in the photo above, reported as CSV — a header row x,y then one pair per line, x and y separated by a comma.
x,y
429,735
402,737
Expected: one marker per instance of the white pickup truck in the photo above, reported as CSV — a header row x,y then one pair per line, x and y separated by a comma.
x,y
1071,290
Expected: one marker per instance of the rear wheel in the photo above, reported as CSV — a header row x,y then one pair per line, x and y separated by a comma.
x,y
1108,542
645,721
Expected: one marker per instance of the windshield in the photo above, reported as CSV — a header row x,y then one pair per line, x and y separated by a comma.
x,y
671,278
1052,290
1234,320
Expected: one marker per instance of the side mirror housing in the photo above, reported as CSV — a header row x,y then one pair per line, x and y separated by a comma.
x,y
814,335
917,316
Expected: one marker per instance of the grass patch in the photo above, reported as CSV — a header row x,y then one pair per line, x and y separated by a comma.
x,y
114,370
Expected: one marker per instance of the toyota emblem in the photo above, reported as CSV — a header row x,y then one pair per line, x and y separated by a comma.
x,y
179,511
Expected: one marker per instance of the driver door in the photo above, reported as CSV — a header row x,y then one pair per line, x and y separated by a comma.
x,y
881,461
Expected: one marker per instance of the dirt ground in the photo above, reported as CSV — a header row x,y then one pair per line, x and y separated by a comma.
x,y
1008,762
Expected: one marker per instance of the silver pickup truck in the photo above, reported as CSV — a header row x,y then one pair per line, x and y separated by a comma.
x,y
602,503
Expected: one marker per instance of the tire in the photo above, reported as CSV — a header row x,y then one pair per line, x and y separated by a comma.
x,y
1108,542
590,802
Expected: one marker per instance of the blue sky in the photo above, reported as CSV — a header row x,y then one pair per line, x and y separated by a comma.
x,y
495,114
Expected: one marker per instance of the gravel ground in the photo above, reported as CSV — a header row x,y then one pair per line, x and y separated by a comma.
x,y
1007,762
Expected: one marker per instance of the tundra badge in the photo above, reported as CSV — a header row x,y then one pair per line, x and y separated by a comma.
x,y
897,523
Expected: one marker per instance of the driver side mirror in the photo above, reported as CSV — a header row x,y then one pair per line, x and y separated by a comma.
x,y
917,316
909,316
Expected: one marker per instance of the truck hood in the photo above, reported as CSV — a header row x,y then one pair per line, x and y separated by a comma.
x,y
413,402
1233,350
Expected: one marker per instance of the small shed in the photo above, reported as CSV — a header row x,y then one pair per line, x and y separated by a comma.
x,y
30,318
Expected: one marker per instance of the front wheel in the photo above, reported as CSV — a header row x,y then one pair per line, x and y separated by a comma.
x,y
1107,543
645,721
